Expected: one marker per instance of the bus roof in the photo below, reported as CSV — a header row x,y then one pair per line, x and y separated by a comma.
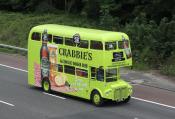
x,y
85,33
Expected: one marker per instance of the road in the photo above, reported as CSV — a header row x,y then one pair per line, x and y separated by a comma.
x,y
20,101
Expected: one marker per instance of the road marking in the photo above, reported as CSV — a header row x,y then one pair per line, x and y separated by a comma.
x,y
148,101
54,96
7,103
124,73
13,68
164,105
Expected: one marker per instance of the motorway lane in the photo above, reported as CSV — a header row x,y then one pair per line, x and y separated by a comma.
x,y
31,103
14,60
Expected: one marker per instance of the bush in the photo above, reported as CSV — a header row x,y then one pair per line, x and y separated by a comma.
x,y
15,27
169,66
152,44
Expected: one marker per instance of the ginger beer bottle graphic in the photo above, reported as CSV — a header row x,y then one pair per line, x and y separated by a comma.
x,y
44,56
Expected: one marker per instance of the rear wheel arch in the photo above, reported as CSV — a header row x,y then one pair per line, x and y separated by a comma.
x,y
46,86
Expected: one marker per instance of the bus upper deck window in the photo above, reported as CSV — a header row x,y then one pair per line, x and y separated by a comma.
x,y
36,36
58,39
110,45
97,45
69,42
49,38
83,44
123,44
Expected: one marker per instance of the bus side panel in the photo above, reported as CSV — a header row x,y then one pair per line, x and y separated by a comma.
x,y
74,85
34,72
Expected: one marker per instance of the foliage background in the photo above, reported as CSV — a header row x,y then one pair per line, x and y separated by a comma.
x,y
149,23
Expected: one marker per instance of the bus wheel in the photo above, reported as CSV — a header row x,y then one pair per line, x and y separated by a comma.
x,y
127,99
96,98
46,85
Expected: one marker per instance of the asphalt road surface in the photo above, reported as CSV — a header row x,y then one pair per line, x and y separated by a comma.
x,y
19,101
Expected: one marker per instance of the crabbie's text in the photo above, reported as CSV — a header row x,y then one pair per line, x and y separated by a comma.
x,y
75,54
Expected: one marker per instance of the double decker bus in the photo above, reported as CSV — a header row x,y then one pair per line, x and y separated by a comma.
x,y
79,61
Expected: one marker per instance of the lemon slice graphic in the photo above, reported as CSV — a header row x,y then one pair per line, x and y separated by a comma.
x,y
60,80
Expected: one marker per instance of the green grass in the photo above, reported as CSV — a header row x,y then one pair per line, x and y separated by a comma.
x,y
12,51
140,66
168,70
15,27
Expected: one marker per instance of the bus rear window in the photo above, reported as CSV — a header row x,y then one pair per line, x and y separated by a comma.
x,y
123,44
36,36
69,69
110,45
83,44
58,40
69,41
96,45
82,73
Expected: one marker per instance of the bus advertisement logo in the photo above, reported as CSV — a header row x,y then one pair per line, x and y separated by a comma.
x,y
76,38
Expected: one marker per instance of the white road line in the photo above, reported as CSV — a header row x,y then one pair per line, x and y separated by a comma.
x,y
123,73
54,96
7,103
148,101
13,68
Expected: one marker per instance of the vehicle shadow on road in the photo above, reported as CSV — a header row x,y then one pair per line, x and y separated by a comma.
x,y
107,103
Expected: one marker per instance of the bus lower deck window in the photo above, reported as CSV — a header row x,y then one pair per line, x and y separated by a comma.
x,y
82,73
60,68
93,72
100,74
69,69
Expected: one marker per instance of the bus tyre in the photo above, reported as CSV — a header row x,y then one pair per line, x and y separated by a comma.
x,y
127,99
96,98
46,85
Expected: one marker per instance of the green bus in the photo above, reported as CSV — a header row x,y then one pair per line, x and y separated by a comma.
x,y
79,61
